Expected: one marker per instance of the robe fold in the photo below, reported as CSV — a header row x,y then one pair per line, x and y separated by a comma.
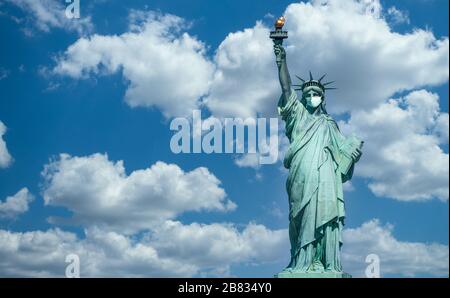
x,y
314,184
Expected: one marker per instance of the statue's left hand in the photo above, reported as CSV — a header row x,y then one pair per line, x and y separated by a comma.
x,y
356,155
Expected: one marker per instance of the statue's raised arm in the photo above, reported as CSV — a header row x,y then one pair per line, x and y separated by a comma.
x,y
283,72
285,80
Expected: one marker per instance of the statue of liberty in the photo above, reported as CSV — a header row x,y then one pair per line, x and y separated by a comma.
x,y
320,159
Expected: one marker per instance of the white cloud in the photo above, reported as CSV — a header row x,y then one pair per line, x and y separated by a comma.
x,y
114,207
164,66
16,204
100,193
250,160
441,129
155,57
399,258
218,245
398,16
348,186
245,83
370,61
42,254
401,151
322,38
5,157
173,250
47,14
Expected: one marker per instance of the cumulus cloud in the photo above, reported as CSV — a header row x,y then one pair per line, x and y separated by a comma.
x,y
173,249
15,205
164,66
322,38
250,160
218,245
5,157
130,227
170,251
402,152
398,16
370,62
100,193
155,57
245,82
441,128
47,14
401,258
42,254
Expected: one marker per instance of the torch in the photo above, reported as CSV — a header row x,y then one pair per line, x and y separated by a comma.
x,y
278,35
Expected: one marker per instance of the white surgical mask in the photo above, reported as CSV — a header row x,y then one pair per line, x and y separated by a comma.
x,y
314,101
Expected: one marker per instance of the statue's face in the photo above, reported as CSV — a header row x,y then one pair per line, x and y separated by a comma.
x,y
313,97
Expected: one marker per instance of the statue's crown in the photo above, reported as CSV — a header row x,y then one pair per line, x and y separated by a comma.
x,y
312,82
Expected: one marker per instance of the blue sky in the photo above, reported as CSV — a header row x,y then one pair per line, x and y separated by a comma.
x,y
49,110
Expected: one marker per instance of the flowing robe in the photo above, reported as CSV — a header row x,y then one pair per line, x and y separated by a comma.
x,y
314,184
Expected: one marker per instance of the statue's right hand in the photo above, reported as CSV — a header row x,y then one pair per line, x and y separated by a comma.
x,y
279,51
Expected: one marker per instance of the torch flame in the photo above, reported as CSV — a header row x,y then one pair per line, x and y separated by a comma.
x,y
280,22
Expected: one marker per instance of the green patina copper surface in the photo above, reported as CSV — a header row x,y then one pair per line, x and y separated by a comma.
x,y
320,159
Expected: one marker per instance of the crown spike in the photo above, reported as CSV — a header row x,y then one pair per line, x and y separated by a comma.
x,y
310,76
330,88
321,78
300,79
328,83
